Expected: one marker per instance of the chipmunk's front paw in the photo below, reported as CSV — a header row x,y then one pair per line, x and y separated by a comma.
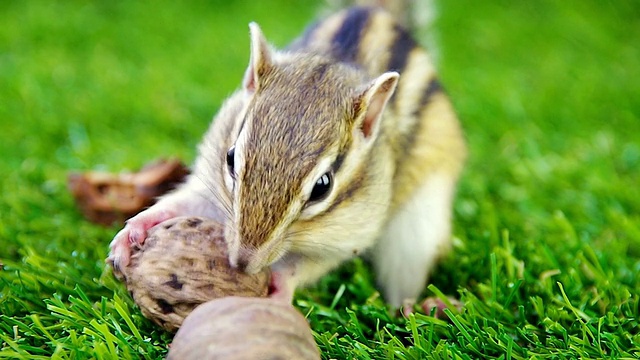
x,y
431,303
133,235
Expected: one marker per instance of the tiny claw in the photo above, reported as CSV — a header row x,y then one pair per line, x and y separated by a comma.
x,y
120,257
120,249
134,237
115,265
407,307
431,303
116,270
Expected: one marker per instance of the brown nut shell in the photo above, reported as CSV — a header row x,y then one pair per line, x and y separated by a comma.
x,y
107,198
244,328
182,264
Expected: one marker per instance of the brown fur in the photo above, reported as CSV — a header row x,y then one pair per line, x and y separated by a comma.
x,y
286,138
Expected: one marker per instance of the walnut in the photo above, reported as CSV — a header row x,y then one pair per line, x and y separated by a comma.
x,y
244,328
182,264
106,198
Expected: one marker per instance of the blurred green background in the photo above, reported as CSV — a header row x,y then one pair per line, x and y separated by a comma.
x,y
548,93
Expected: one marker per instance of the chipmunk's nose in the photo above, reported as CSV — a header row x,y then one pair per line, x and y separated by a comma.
x,y
246,262
243,262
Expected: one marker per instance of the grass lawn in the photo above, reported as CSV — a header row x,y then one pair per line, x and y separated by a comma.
x,y
547,220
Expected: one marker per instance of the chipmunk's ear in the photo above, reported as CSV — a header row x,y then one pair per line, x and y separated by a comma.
x,y
371,102
260,60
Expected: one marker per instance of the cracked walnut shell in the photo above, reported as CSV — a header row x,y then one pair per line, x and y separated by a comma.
x,y
106,198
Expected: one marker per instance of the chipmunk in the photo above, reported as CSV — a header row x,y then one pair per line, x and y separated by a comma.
x,y
341,144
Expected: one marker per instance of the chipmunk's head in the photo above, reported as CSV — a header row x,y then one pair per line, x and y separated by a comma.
x,y
306,122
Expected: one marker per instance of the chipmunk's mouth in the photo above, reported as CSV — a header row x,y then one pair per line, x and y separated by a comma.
x,y
274,286
279,288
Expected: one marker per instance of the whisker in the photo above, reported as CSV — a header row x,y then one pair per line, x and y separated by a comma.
x,y
214,192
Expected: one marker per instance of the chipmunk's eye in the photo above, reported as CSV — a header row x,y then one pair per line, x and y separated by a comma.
x,y
322,187
231,155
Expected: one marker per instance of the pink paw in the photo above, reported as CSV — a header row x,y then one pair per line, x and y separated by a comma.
x,y
134,235
431,303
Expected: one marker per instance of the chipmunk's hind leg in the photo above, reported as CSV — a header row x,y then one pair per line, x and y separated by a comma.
x,y
414,239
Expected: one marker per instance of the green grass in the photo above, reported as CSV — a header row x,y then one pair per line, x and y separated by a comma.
x,y
547,251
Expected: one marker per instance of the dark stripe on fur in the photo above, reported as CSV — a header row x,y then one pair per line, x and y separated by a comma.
x,y
402,46
433,88
338,163
410,137
355,185
346,40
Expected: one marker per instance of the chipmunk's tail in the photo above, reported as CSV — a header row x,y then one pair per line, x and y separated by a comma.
x,y
412,14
